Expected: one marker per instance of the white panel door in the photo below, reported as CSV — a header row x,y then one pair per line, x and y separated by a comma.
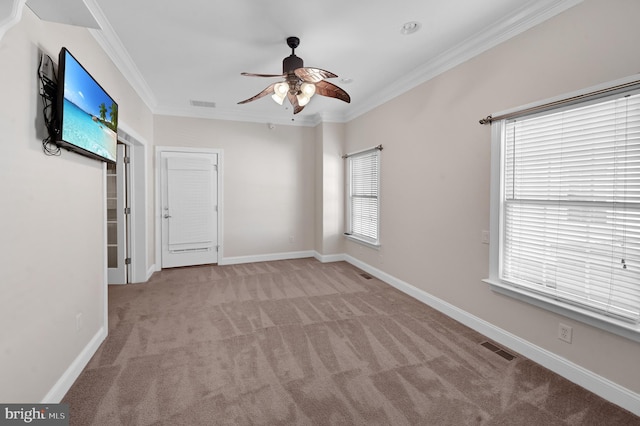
x,y
189,209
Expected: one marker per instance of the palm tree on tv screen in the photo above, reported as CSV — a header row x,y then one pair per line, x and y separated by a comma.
x,y
103,112
113,115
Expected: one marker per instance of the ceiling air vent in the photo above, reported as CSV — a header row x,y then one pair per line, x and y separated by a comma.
x,y
202,104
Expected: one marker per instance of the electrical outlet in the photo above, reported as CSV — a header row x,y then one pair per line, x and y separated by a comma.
x,y
565,333
78,321
484,237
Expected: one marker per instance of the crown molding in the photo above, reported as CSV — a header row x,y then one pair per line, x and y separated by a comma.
x,y
230,114
527,17
9,18
113,47
530,15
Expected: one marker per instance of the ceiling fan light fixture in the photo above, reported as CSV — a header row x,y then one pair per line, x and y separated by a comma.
x,y
281,88
303,99
277,98
300,84
308,89
280,92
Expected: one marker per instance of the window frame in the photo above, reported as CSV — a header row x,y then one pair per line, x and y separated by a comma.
x,y
611,324
360,238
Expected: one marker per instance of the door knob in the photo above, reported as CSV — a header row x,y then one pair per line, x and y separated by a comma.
x,y
167,215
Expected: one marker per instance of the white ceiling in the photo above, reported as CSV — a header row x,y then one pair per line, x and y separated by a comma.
x,y
72,12
174,52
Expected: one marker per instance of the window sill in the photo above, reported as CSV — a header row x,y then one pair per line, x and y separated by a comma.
x,y
374,245
621,328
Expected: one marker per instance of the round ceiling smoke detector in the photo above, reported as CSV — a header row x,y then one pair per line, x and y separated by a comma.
x,y
410,27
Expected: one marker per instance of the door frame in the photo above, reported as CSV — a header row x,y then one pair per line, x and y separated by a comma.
x,y
139,245
158,196
122,273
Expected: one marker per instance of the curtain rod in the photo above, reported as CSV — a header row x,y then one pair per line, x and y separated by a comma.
x,y
597,93
379,148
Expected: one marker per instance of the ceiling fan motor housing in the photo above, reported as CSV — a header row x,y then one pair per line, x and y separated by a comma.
x,y
290,63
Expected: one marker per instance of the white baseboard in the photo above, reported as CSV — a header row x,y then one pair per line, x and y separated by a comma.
x,y
150,271
327,258
266,257
599,385
64,383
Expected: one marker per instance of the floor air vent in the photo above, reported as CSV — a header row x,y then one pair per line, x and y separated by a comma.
x,y
366,276
493,348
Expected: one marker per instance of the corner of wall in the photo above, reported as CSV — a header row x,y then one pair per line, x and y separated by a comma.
x,y
64,383
591,381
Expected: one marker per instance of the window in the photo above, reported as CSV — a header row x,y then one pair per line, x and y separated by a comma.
x,y
569,208
363,175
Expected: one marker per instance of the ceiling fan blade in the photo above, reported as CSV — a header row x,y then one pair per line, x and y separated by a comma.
x,y
313,75
269,90
251,74
325,88
294,102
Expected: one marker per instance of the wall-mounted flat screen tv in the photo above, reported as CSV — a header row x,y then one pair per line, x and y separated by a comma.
x,y
87,116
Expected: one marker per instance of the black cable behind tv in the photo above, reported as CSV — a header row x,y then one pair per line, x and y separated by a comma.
x,y
48,94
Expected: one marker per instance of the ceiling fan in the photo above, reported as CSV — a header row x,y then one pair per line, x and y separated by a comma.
x,y
300,82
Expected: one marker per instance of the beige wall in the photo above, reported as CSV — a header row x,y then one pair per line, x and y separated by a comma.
x,y
318,177
52,223
436,163
289,182
330,146
269,181
333,195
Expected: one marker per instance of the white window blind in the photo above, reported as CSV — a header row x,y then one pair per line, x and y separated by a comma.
x,y
571,205
363,171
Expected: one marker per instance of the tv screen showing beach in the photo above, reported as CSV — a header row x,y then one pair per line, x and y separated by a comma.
x,y
89,115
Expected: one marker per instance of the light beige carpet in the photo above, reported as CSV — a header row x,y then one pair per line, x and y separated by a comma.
x,y
305,343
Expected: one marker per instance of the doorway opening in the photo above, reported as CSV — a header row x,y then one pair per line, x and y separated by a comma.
x,y
118,218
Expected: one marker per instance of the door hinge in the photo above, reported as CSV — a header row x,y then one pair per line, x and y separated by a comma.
x,y
127,160
127,210
215,167
216,208
127,261
217,248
